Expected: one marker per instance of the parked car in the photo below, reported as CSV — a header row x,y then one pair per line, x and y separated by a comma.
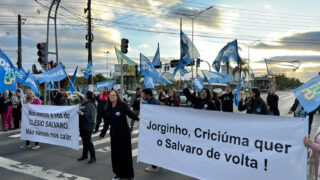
x,y
183,99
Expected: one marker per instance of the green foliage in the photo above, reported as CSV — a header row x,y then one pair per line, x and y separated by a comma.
x,y
284,83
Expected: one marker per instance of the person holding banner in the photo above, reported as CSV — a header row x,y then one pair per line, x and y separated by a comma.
x,y
254,104
116,112
135,104
202,101
86,125
5,112
31,99
162,97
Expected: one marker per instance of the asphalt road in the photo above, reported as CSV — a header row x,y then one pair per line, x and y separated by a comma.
x,y
54,162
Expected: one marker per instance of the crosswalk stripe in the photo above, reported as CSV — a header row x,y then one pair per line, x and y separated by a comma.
x,y
107,149
95,143
37,171
10,131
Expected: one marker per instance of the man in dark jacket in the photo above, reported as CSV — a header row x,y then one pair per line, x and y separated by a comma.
x,y
102,99
86,125
227,100
135,104
149,99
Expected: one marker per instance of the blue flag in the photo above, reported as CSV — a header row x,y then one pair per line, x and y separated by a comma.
x,y
73,81
49,86
20,74
106,84
147,69
56,74
7,74
236,97
226,54
309,94
215,77
156,59
148,82
198,83
88,71
188,54
30,82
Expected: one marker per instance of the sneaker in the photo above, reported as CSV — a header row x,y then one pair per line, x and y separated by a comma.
x,y
152,169
25,146
35,147
116,178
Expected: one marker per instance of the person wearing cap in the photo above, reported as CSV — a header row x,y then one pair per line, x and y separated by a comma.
x,y
254,104
102,99
86,125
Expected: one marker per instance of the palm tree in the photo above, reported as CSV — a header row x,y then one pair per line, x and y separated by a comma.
x,y
243,67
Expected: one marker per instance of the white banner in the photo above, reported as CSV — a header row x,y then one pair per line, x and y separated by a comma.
x,y
58,125
218,145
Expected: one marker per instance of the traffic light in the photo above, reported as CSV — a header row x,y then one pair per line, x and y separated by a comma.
x,y
198,62
42,53
124,45
174,63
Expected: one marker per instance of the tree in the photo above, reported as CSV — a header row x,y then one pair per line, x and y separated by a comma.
x,y
243,67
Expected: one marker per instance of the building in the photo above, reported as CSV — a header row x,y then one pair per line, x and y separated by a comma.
x,y
264,83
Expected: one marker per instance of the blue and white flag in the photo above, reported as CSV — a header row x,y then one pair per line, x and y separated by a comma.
x,y
236,97
88,71
226,54
30,82
188,54
309,94
147,69
50,86
20,74
7,74
56,74
156,59
198,83
215,77
73,81
106,84
148,81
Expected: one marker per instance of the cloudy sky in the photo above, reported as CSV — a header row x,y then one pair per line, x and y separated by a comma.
x,y
283,30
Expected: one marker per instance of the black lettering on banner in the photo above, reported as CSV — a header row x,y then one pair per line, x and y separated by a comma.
x,y
159,142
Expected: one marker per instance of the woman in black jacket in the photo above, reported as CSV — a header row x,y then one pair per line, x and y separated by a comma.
x,y
254,104
202,101
272,101
116,112
86,125
214,97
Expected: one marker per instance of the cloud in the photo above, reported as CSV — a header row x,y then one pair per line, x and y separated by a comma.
x,y
298,41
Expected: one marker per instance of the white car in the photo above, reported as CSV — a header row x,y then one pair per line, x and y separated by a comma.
x,y
183,99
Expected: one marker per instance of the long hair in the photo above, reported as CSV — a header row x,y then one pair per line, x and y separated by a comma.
x,y
174,94
28,99
108,103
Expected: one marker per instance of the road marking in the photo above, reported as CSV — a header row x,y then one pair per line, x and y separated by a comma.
x,y
106,140
108,149
37,171
10,131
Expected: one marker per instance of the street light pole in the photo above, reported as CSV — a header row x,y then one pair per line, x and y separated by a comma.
x,y
107,52
193,17
249,54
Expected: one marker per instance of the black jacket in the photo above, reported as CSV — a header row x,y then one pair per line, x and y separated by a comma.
x,y
198,103
87,121
218,104
227,102
3,106
135,102
272,101
116,118
253,106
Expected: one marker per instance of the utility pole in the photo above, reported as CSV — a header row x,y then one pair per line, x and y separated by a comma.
x,y
19,63
89,37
